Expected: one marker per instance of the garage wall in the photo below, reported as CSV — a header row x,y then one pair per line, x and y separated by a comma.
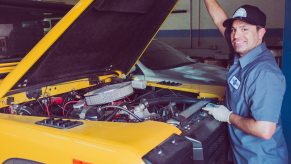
x,y
176,30
192,28
273,8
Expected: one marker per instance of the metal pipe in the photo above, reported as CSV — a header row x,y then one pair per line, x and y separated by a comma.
x,y
191,15
199,17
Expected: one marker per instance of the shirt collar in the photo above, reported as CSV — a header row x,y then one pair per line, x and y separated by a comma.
x,y
252,55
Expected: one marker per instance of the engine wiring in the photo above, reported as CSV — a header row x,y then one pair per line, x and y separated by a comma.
x,y
25,110
136,106
47,111
123,109
64,107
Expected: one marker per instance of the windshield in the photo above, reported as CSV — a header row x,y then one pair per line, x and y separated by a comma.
x,y
21,26
159,55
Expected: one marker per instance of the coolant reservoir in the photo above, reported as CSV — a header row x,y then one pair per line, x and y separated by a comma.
x,y
141,111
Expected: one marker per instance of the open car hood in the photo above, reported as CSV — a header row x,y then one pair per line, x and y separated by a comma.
x,y
94,38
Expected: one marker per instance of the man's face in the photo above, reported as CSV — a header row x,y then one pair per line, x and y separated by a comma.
x,y
245,37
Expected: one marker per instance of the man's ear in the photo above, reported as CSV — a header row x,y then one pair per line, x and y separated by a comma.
x,y
261,33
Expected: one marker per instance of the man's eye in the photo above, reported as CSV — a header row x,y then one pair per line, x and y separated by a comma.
x,y
245,29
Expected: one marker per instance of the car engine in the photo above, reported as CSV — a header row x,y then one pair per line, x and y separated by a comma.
x,y
133,102
129,101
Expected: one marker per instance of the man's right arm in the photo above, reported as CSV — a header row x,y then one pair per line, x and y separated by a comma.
x,y
217,14
262,129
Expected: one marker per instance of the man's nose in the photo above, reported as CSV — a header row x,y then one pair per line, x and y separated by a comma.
x,y
236,34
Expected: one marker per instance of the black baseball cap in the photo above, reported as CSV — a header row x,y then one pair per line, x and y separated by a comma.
x,y
249,14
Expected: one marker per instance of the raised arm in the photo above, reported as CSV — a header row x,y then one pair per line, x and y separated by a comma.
x,y
217,14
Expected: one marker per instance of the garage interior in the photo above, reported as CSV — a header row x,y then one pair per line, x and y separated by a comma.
x,y
190,29
198,42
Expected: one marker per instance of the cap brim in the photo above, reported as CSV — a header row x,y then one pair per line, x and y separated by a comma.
x,y
228,23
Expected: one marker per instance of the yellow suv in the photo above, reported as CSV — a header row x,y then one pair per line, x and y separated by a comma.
x,y
67,97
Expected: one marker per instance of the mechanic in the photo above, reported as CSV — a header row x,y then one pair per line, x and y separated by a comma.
x,y
255,89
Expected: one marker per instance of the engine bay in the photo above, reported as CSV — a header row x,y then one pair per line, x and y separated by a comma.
x,y
129,101
132,102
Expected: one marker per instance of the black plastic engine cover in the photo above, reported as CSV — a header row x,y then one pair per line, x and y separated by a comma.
x,y
175,150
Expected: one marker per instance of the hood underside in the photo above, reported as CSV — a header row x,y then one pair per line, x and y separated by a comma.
x,y
109,35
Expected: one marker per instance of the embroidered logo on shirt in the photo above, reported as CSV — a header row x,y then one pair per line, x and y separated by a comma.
x,y
234,82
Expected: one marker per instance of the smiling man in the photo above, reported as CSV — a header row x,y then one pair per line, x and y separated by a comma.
x,y
255,89
245,37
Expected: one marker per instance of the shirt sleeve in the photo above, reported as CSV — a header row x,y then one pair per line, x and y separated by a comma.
x,y
266,94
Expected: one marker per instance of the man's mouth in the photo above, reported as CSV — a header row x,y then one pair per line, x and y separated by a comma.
x,y
238,43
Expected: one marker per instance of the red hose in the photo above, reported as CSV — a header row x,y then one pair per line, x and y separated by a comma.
x,y
64,108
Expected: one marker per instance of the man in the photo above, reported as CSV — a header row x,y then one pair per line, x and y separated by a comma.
x,y
255,89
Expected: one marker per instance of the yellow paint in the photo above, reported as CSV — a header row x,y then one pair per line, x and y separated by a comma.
x,y
7,67
93,142
56,89
8,64
42,46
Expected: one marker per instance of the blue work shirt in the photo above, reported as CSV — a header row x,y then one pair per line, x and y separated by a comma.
x,y
255,89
